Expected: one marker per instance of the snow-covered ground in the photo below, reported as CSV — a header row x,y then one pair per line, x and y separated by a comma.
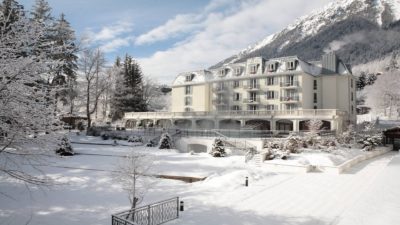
x,y
88,194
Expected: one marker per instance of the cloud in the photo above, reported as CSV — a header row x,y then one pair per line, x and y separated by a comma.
x,y
115,44
111,37
220,34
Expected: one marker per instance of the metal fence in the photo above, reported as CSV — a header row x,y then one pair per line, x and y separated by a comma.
x,y
153,214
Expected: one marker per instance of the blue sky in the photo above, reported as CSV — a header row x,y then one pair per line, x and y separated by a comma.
x,y
172,36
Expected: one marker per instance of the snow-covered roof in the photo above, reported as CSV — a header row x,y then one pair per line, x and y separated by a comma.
x,y
231,70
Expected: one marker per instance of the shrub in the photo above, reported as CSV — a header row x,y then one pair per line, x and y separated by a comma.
x,y
64,147
165,141
218,149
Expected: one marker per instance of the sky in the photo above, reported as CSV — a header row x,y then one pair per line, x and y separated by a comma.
x,y
168,37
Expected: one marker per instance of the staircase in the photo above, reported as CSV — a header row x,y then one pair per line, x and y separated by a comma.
x,y
255,160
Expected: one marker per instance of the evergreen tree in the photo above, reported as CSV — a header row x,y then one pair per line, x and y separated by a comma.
x,y
10,12
63,36
41,12
128,95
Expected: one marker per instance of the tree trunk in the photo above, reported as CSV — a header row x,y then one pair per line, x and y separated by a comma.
x,y
88,105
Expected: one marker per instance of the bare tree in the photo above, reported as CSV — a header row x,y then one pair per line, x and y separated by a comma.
x,y
384,96
91,63
132,173
314,126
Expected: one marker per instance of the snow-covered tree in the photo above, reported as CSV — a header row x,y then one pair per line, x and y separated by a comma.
x,y
165,141
128,96
314,126
131,174
218,149
384,96
26,109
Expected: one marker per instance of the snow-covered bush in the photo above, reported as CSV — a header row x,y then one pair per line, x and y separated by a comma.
x,y
347,136
105,137
369,141
218,149
312,137
64,148
165,141
135,139
293,144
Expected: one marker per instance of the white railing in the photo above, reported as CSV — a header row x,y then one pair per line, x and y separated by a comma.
x,y
237,113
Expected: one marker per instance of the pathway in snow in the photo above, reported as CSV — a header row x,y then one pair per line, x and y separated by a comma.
x,y
314,198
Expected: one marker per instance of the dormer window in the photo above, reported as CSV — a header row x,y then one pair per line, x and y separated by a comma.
x,y
222,72
238,71
189,77
272,67
253,68
291,65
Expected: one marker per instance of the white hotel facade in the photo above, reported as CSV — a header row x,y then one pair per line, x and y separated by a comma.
x,y
279,94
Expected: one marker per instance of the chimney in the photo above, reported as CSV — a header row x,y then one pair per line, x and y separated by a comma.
x,y
329,63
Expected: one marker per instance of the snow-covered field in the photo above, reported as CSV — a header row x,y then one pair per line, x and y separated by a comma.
x,y
88,195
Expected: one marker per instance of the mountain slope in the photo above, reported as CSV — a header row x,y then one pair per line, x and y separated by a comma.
x,y
358,30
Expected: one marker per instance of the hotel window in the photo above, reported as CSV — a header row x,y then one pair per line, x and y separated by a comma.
x,y
189,77
253,83
236,84
315,97
236,96
351,83
291,65
270,107
315,107
352,96
270,81
188,100
315,84
271,95
238,71
236,108
253,97
272,67
188,90
188,109
252,107
253,68
222,72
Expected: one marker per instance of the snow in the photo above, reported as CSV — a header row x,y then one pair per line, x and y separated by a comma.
x,y
88,194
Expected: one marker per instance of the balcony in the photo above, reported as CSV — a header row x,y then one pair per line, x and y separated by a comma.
x,y
252,87
290,99
292,84
254,101
219,102
220,89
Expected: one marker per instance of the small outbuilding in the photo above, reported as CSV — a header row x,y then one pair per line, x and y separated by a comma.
x,y
392,136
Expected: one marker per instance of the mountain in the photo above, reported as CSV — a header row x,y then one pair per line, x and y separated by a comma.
x,y
358,31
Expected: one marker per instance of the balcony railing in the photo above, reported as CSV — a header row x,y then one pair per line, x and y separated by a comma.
x,y
290,98
252,87
213,114
251,100
219,102
290,84
220,89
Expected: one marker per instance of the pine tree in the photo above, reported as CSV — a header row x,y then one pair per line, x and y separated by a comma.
x,y
41,12
128,95
63,36
10,12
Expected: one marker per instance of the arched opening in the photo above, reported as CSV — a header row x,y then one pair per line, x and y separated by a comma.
x,y
183,124
146,123
229,124
205,124
303,125
284,126
197,148
130,124
258,125
164,123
